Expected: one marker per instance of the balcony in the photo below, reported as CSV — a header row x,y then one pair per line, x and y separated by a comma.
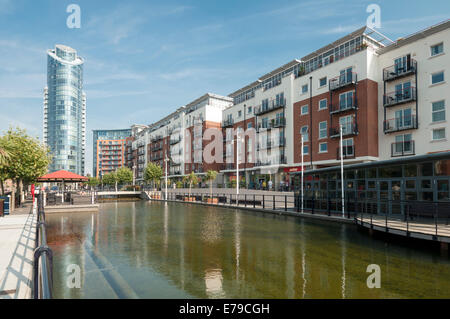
x,y
399,97
271,106
265,146
396,72
277,161
344,107
274,123
400,124
405,148
174,141
157,148
156,138
157,157
228,123
348,152
343,80
176,153
347,130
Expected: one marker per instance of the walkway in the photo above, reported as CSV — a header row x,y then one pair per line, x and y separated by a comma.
x,y
17,243
428,230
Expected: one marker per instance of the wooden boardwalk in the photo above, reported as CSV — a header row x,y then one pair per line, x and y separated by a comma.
x,y
428,230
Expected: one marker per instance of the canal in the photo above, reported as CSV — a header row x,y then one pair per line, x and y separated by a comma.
x,y
175,250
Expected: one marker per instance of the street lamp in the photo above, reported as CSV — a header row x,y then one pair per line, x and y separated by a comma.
x,y
237,162
342,171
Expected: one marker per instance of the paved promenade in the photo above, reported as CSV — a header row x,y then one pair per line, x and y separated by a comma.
x,y
17,243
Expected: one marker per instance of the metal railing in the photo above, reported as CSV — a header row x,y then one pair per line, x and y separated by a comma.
x,y
399,97
397,71
343,80
400,124
405,148
43,257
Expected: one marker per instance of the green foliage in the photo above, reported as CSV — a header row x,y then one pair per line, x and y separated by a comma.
x,y
93,181
179,184
211,176
153,173
27,160
124,175
110,178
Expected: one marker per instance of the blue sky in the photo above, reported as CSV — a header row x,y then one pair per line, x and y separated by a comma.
x,y
146,58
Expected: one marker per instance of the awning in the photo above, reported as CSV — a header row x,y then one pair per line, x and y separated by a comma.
x,y
62,176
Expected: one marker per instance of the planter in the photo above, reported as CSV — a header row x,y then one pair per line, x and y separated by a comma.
x,y
212,200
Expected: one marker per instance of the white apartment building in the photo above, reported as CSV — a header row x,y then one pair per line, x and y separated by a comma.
x,y
414,94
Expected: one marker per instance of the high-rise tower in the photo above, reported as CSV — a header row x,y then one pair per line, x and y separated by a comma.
x,y
65,110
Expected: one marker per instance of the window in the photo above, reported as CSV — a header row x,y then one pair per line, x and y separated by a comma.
x,y
249,110
348,149
322,104
437,77
305,149
403,64
239,113
403,144
403,119
249,125
304,133
439,134
346,100
438,111
304,110
347,124
323,130
305,89
323,82
437,49
323,147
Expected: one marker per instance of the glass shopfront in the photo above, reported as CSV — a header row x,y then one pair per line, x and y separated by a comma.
x,y
387,187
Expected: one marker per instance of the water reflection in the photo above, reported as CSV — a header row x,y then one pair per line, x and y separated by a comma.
x,y
178,251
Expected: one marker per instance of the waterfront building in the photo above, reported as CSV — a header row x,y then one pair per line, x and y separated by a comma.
x,y
389,97
65,110
109,147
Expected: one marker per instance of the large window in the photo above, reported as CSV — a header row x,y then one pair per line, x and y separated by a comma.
x,y
403,144
403,118
347,124
323,130
438,111
346,100
437,49
348,149
323,147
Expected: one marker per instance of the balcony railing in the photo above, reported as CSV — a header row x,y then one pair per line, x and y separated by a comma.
x,y
265,146
400,124
400,97
228,123
271,106
395,71
156,138
157,157
347,129
347,152
343,80
274,123
405,148
176,140
278,161
340,107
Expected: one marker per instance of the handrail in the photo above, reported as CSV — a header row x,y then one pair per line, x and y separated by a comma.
x,y
43,257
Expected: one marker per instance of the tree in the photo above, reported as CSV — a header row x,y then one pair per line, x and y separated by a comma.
x,y
4,156
124,175
191,179
28,159
110,179
210,177
153,173
93,181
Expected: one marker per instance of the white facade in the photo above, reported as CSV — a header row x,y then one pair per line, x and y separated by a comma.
x,y
431,134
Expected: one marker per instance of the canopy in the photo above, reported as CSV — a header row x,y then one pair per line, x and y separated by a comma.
x,y
62,176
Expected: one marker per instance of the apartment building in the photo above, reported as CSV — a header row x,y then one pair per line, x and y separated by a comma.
x,y
414,94
389,98
109,148
257,124
179,138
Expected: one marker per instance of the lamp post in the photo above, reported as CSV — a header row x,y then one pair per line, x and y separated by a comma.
x,y
166,159
301,187
342,171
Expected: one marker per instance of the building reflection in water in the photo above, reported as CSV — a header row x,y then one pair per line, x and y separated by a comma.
x,y
214,253
213,283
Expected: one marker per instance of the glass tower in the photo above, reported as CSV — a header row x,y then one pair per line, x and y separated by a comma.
x,y
65,110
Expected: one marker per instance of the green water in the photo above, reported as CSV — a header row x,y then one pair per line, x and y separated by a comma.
x,y
157,250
